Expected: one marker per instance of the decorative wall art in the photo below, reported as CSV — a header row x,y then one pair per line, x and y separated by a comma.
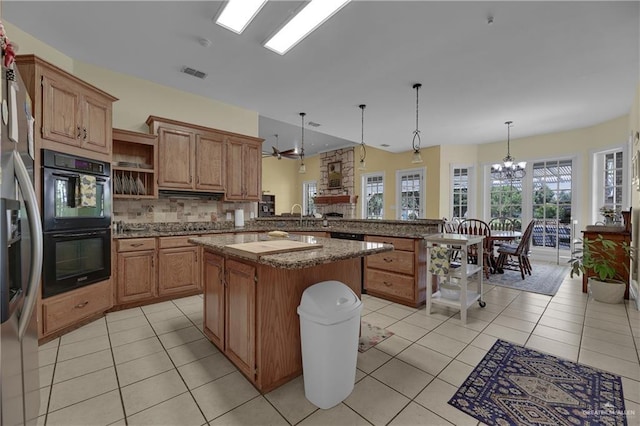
x,y
335,175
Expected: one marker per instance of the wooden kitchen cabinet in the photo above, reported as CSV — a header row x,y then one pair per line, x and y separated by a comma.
x,y
244,169
240,328
214,295
135,159
71,116
618,236
399,275
136,274
230,300
190,157
178,265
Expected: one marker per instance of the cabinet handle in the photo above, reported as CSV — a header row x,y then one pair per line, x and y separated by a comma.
x,y
388,260
81,305
79,133
388,284
85,133
136,244
190,178
153,262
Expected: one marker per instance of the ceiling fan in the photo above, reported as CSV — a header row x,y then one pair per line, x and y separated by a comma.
x,y
289,153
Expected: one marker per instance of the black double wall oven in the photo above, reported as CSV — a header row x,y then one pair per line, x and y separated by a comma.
x,y
76,209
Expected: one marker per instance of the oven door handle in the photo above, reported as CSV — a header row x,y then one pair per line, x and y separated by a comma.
x,y
79,234
33,215
65,175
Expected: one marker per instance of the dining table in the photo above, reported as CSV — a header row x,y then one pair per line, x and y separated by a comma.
x,y
497,235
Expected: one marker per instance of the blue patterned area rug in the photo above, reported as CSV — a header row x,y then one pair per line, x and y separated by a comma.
x,y
545,278
513,385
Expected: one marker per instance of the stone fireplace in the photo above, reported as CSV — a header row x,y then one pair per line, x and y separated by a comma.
x,y
337,200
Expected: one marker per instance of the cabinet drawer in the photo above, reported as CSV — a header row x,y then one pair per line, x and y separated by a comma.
x,y
389,283
61,311
134,244
395,261
170,242
405,244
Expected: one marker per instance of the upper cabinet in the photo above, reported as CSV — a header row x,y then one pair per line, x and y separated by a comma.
x,y
135,161
244,169
71,115
196,158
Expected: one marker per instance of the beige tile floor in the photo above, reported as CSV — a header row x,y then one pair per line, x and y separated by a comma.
x,y
153,366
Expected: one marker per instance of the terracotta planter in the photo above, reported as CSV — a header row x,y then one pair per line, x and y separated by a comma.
x,y
607,292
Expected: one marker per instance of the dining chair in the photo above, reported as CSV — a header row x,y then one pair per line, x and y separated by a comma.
x,y
478,227
502,224
520,252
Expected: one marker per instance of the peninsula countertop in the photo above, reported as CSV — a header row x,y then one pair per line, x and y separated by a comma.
x,y
329,250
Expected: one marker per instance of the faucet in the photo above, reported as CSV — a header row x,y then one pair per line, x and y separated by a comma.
x,y
293,208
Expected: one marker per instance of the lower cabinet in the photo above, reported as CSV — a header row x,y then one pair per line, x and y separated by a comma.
x,y
178,265
400,275
69,308
229,319
154,268
136,275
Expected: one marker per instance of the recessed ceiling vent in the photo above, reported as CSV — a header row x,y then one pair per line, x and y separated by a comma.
x,y
194,72
313,124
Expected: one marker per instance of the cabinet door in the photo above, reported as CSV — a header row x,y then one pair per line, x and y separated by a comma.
x,y
136,276
210,162
178,271
252,167
175,162
213,282
235,169
96,124
61,111
240,315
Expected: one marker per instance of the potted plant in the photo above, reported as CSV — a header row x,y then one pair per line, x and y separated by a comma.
x,y
601,256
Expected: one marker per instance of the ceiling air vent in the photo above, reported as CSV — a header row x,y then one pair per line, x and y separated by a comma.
x,y
313,124
194,72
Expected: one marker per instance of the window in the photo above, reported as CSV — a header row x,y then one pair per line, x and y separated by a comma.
x,y
373,194
460,182
410,199
309,191
506,198
612,188
552,203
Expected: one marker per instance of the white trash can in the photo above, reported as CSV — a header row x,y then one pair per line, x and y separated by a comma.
x,y
329,328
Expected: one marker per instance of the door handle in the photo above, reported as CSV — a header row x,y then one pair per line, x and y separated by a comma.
x,y
79,133
33,215
85,134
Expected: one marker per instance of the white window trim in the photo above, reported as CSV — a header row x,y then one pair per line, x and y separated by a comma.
x,y
363,189
423,196
471,193
304,193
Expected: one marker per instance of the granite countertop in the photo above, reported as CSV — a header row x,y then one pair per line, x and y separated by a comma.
x,y
332,250
143,233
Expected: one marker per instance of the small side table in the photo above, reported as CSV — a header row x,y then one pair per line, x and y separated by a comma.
x,y
462,271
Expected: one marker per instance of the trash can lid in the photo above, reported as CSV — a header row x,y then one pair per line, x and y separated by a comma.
x,y
329,302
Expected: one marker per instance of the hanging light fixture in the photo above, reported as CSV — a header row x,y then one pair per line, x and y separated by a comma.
x,y
416,157
509,169
363,150
303,168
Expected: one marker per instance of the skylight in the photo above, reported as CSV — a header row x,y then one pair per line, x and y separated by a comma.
x,y
304,23
238,13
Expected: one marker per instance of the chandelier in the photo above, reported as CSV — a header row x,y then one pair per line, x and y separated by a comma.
x,y
363,149
416,157
509,169
303,168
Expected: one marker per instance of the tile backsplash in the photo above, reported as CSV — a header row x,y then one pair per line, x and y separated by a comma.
x,y
178,210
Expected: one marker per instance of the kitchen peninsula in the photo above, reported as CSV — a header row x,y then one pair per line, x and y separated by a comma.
x,y
250,302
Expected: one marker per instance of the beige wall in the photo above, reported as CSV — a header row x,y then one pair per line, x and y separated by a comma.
x,y
282,184
138,98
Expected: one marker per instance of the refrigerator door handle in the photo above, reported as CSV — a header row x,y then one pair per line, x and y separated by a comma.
x,y
33,214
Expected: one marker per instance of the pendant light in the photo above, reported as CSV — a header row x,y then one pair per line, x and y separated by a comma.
x,y
363,150
509,169
303,168
416,157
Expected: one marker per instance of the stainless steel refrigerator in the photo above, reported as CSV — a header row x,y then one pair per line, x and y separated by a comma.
x,y
20,257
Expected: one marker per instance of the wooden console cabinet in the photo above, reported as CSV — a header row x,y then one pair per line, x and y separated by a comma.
x,y
621,236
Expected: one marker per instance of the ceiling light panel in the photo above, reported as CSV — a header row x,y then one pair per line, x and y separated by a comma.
x,y
238,13
304,23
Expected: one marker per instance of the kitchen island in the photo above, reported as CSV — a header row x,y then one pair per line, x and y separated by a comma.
x,y
250,301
